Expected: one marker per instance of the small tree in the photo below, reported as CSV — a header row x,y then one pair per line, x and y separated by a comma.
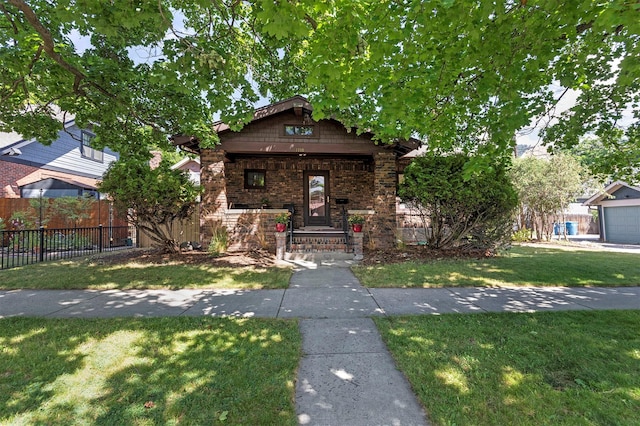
x,y
153,198
462,212
71,209
545,188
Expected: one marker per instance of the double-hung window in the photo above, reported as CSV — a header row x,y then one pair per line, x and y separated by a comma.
x,y
87,150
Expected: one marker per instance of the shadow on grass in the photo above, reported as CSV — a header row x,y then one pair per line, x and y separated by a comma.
x,y
522,266
148,371
75,275
528,369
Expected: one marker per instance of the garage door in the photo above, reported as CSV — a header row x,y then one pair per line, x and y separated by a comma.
x,y
622,224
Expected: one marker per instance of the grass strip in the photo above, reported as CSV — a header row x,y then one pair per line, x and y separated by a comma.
x,y
521,266
165,371
527,369
83,274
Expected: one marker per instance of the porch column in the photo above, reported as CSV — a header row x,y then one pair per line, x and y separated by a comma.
x,y
383,223
214,196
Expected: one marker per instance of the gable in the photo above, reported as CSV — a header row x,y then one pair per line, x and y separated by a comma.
x,y
287,128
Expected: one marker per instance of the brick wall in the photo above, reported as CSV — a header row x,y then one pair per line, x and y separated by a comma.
x,y
10,174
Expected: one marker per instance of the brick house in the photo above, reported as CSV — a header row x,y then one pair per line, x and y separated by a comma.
x,y
283,159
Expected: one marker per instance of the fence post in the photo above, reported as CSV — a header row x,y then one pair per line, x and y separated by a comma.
x,y
41,254
100,238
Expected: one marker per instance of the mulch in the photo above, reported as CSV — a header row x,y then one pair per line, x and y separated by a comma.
x,y
265,259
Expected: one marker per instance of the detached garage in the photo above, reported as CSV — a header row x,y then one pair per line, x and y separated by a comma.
x,y
619,212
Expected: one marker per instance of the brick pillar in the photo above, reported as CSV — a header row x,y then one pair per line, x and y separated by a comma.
x,y
214,197
281,244
358,238
383,223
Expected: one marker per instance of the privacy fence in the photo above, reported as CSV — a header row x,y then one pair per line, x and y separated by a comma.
x,y
24,247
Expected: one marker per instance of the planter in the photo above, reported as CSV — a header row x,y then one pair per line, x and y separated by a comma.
x,y
357,227
281,227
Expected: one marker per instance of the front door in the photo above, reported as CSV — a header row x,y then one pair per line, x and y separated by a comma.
x,y
316,198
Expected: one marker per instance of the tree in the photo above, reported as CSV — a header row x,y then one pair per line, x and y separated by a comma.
x,y
475,212
545,188
613,157
460,74
153,198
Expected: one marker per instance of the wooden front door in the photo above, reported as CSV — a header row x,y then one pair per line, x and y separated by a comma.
x,y
316,198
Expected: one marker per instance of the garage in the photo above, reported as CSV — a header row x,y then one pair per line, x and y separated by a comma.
x,y
619,211
622,224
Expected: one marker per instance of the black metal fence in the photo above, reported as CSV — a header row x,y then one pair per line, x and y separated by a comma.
x,y
25,247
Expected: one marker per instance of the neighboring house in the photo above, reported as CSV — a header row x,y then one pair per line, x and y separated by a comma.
x,y
190,165
283,159
70,166
619,213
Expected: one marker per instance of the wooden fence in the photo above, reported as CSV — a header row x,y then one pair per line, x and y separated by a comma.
x,y
101,213
183,230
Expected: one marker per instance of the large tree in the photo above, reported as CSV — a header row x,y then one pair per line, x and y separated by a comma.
x,y
461,74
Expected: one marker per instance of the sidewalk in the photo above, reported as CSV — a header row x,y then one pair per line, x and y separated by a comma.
x,y
346,375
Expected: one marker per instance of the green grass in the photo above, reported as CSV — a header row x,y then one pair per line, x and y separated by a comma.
x,y
189,371
84,274
576,368
521,266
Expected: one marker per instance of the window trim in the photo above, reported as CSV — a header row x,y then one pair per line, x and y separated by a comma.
x,y
255,171
86,150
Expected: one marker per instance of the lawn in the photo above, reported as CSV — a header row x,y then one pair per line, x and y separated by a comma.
x,y
521,266
87,274
574,368
148,371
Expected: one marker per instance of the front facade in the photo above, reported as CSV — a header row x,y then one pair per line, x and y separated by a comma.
x,y
619,213
284,160
67,167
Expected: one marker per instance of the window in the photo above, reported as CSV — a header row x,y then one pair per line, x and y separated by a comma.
x,y
87,150
294,130
255,179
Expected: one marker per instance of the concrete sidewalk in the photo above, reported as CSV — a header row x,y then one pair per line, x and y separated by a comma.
x,y
346,375
336,300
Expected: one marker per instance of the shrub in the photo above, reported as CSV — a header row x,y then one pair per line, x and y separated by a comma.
x,y
460,211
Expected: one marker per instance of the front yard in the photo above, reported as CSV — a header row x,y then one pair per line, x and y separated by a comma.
x,y
521,266
477,369
148,371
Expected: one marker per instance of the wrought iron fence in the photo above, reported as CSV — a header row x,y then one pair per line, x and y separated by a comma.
x,y
25,247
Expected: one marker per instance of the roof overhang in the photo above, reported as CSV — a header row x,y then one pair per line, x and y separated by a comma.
x,y
596,199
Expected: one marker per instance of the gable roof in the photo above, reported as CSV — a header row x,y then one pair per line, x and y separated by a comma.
x,y
610,189
301,107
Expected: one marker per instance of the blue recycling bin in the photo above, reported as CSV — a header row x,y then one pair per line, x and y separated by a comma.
x,y
572,228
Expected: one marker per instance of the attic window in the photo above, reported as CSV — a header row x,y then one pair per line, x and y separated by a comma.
x,y
298,130
87,150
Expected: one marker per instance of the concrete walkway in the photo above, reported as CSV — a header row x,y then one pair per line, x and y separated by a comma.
x,y
346,374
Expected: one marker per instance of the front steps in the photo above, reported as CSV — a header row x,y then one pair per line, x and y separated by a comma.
x,y
319,240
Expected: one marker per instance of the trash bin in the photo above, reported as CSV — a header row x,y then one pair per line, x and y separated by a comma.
x,y
558,229
572,228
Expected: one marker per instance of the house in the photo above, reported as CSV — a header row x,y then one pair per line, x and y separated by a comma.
x,y
619,213
191,166
70,166
284,160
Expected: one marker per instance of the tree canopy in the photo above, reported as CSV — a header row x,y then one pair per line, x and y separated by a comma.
x,y
460,74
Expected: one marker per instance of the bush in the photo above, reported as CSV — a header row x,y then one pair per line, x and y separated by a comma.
x,y
459,211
